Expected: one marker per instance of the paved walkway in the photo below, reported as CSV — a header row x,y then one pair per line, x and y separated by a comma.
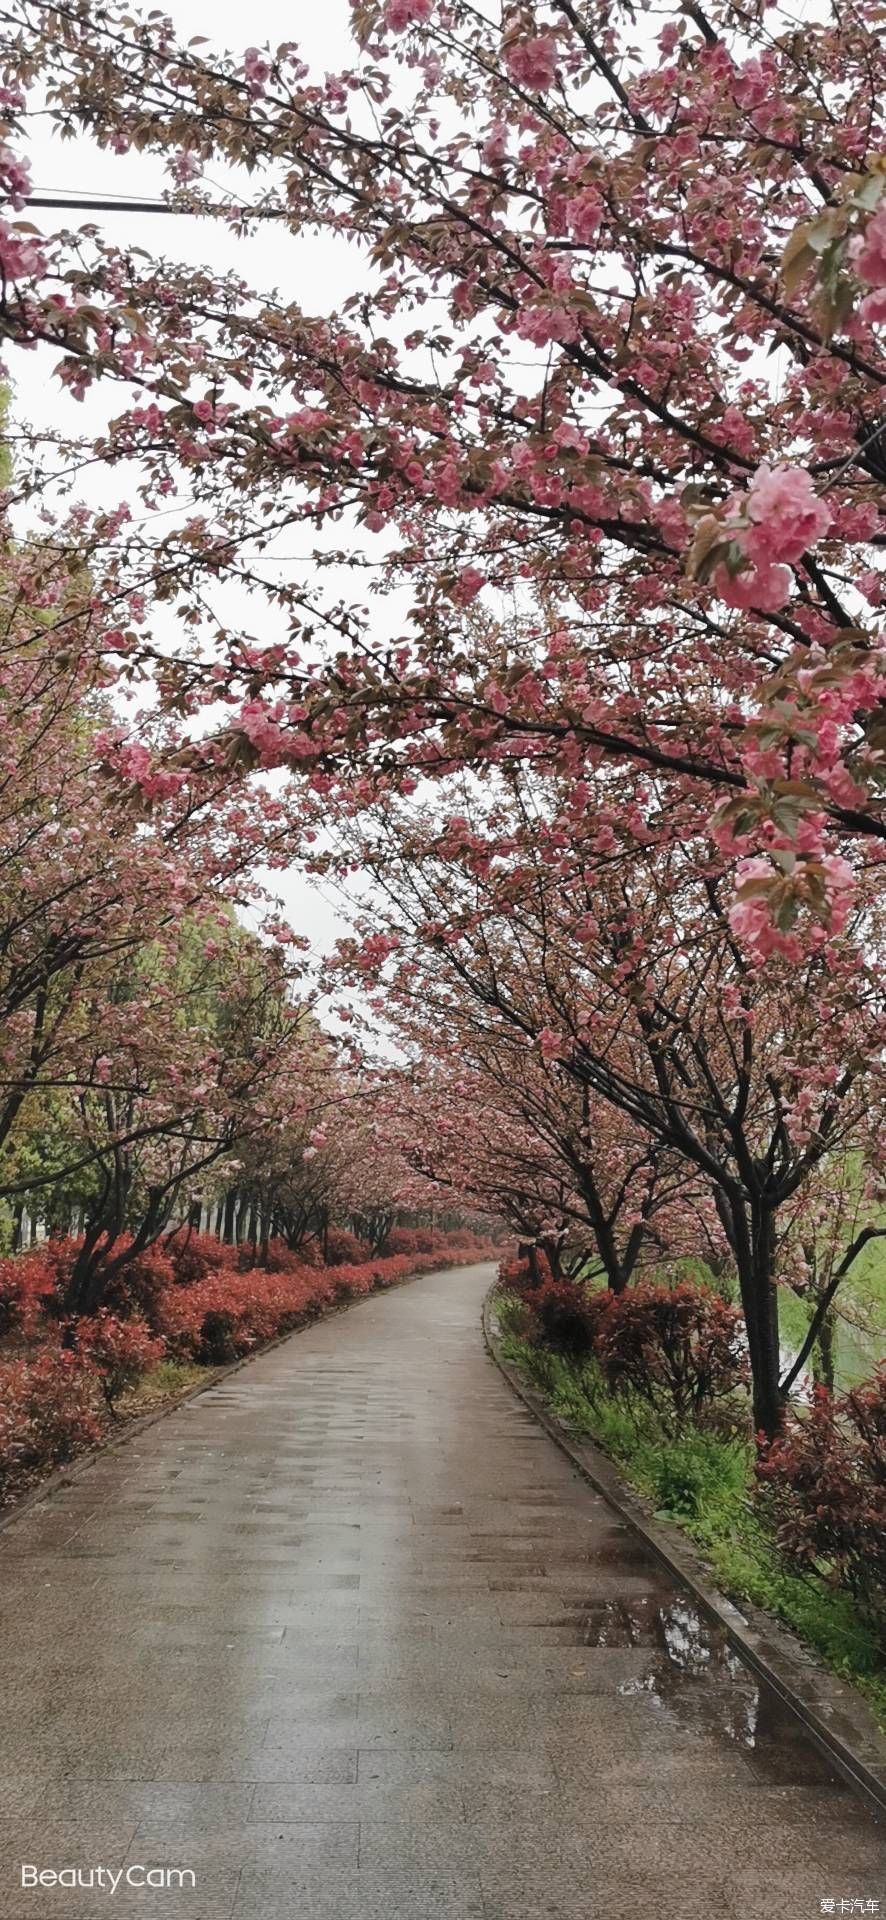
x,y
347,1638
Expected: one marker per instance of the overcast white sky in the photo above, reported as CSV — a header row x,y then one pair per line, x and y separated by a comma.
x,y
314,272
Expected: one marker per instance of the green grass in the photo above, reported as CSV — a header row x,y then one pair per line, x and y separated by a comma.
x,y
169,1377
701,1478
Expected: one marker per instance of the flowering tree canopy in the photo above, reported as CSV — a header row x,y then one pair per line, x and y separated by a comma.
x,y
613,360
599,425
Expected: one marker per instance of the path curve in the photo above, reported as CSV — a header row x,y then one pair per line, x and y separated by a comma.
x,y
348,1639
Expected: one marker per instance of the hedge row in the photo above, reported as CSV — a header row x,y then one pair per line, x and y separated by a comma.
x,y
680,1348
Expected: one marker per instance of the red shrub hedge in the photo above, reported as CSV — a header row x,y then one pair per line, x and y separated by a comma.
x,y
281,1259
679,1347
568,1316
120,1351
413,1240
344,1249
516,1276
823,1484
28,1281
48,1412
136,1287
227,1314
309,1253
463,1240
134,1281
194,1255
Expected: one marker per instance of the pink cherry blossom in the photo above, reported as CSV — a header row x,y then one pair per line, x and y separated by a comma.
x,y
20,254
468,585
256,69
584,214
15,176
533,63
872,309
871,257
400,14
495,146
184,167
786,513
763,589
550,1045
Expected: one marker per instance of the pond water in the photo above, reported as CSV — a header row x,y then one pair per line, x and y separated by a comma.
x,y
857,1354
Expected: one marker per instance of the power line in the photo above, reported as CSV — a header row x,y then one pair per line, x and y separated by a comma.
x,y
108,203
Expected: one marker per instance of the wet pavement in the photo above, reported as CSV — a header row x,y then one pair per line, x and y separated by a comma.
x,y
346,1638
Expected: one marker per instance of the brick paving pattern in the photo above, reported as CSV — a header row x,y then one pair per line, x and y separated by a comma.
x,y
347,1637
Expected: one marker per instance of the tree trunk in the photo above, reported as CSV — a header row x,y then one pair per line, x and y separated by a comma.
x,y
754,1230
617,1275
229,1221
550,1245
88,1278
528,1251
823,1355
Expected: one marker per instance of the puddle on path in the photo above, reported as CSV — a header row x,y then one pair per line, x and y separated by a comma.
x,y
694,1676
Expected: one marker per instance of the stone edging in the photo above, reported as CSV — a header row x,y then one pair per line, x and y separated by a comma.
x,y
833,1714
120,1436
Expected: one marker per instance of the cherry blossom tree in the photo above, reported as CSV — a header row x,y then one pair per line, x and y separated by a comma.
x,y
607,954
480,1113
606,400
96,860
613,352
202,1053
337,1161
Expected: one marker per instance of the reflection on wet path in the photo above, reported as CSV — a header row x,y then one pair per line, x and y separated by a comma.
x,y
699,1678
693,1673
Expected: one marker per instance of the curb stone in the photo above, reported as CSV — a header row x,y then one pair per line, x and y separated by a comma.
x,y
832,1714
